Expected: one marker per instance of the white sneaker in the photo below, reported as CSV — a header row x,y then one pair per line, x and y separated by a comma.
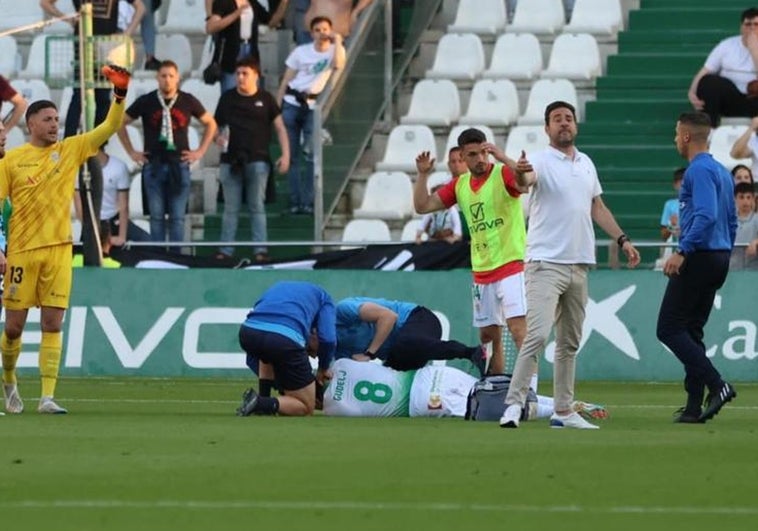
x,y
511,416
13,402
573,420
47,405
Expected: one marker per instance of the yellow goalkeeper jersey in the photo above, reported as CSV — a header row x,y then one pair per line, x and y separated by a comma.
x,y
40,184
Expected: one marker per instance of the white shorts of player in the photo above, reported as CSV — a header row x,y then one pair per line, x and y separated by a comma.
x,y
501,300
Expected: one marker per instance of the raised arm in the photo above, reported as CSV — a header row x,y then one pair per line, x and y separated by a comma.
x,y
19,106
423,201
740,149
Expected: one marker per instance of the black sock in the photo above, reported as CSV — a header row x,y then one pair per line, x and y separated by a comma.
x,y
266,405
265,386
694,403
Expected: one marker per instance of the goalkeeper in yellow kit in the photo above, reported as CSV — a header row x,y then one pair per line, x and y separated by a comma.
x,y
38,178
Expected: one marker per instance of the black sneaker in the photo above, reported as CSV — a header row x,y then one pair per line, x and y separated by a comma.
x,y
715,401
479,359
249,400
152,64
682,416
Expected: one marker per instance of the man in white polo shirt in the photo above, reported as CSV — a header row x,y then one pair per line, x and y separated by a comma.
x,y
560,248
722,86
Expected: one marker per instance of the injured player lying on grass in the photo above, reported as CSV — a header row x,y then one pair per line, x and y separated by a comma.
x,y
364,389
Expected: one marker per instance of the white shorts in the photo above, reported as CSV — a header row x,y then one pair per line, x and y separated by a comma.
x,y
501,300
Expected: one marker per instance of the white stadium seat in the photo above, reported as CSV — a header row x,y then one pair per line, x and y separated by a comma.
x,y
388,195
32,90
544,92
208,95
459,56
598,17
140,87
185,16
574,56
529,138
9,56
59,54
76,230
538,16
411,227
721,142
14,138
115,149
404,144
434,102
366,230
61,27
135,198
19,13
515,56
175,47
438,177
468,17
492,102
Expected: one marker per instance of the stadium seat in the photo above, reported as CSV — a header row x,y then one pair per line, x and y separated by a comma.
x,y
115,149
492,102
366,230
598,17
721,142
574,56
411,227
529,138
452,141
175,47
207,94
515,56
538,16
404,144
543,92
64,102
438,177
76,230
19,13
14,138
9,57
185,16
31,90
60,59
135,198
205,57
388,195
469,19
459,56
434,102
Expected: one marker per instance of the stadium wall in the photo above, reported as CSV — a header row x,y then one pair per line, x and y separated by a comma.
x,y
184,323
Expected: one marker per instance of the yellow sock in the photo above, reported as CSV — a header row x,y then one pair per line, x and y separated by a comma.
x,y
49,361
11,349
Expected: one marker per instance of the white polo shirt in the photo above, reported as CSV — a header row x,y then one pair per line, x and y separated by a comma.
x,y
732,60
560,221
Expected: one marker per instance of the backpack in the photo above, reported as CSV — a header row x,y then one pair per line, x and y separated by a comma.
x,y
486,400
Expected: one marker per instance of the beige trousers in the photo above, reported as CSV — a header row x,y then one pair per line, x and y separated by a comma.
x,y
555,294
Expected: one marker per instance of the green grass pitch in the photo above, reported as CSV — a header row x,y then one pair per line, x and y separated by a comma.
x,y
139,454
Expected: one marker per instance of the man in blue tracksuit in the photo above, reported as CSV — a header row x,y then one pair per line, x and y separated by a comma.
x,y
698,268
404,335
290,321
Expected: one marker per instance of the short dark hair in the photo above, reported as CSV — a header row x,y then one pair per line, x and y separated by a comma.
x,y
679,174
739,167
453,150
743,188
698,122
319,19
168,63
471,136
749,13
249,62
558,105
37,106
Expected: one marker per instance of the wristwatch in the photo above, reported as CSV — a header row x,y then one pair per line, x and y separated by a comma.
x,y
680,252
370,354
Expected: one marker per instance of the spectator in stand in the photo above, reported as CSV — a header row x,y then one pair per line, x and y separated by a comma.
x,y
8,93
114,208
234,26
746,146
166,114
147,32
100,26
309,67
251,115
727,84
443,225
670,214
742,174
747,229
342,13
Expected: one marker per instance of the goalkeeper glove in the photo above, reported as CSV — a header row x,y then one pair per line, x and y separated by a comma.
x,y
120,78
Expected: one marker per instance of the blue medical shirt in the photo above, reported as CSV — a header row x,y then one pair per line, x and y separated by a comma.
x,y
354,335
